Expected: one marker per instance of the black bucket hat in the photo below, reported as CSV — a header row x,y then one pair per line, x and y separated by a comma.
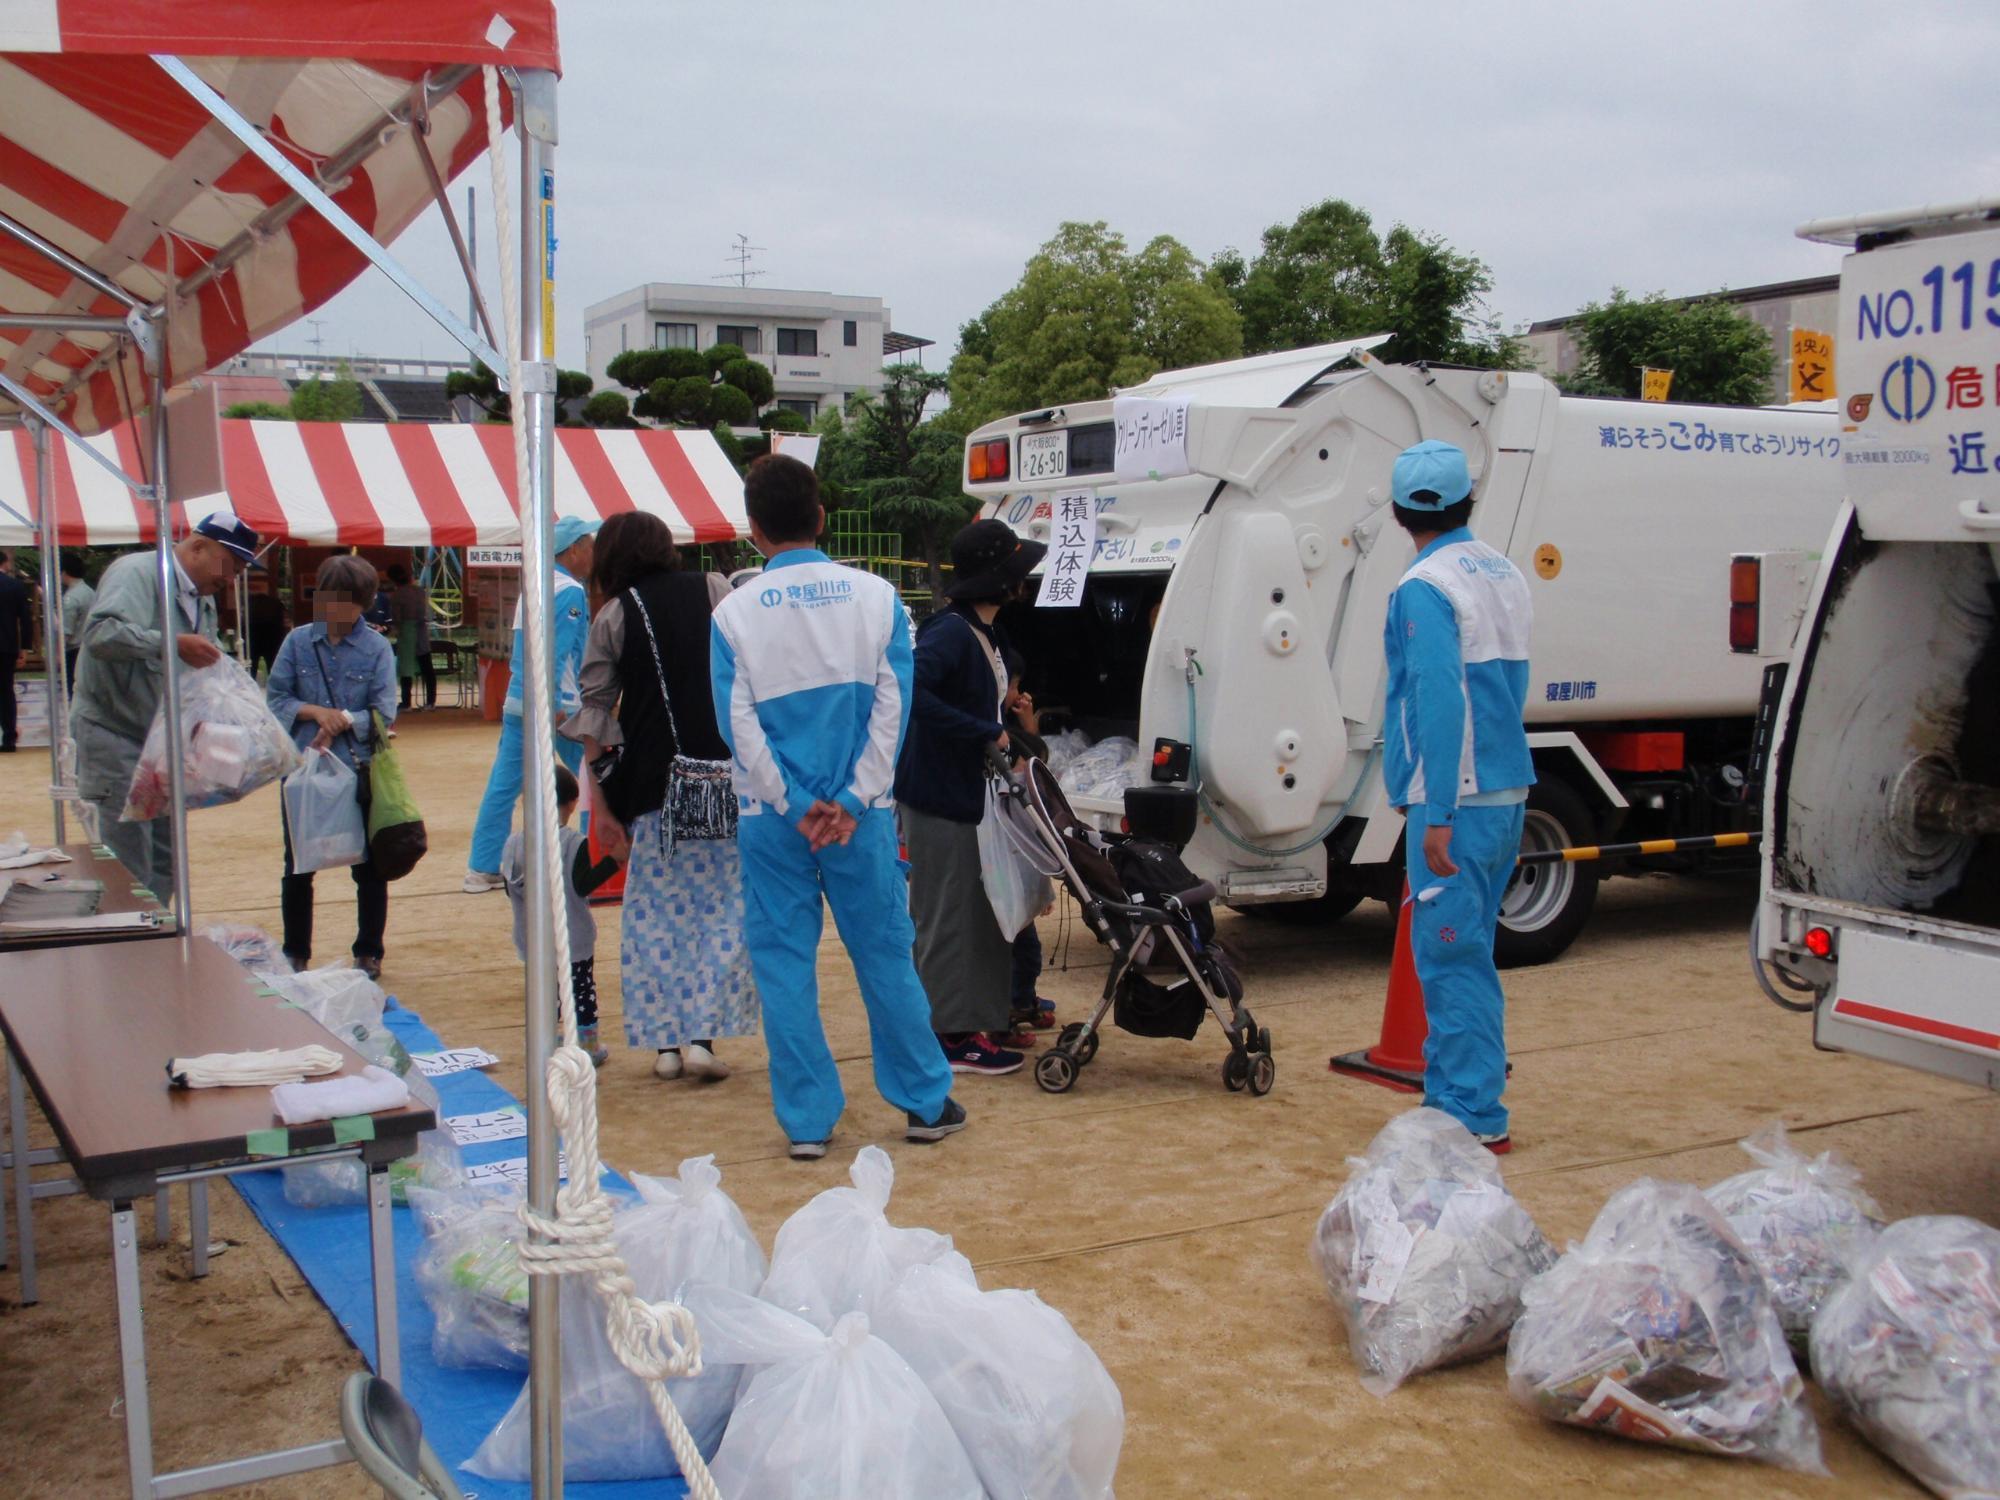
x,y
988,560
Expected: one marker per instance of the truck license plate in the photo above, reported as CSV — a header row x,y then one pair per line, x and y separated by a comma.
x,y
1044,455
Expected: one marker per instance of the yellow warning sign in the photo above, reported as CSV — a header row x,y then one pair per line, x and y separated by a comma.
x,y
1654,384
1812,365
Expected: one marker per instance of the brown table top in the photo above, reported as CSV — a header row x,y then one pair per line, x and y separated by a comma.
x,y
93,1027
122,893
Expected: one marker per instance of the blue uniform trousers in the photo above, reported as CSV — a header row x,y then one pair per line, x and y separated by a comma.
x,y
1451,936
783,886
503,790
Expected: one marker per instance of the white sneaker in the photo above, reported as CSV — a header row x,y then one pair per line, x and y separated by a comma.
x,y
702,1063
478,882
668,1065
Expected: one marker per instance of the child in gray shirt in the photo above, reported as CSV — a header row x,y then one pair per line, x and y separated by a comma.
x,y
580,878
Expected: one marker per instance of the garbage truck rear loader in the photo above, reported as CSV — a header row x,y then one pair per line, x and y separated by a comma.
x,y
1244,555
1881,895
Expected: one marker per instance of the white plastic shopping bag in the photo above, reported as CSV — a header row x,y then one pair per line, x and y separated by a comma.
x,y
324,813
840,1253
231,744
1011,867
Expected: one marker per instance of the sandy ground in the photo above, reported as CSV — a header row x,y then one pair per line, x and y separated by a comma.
x,y
1167,1218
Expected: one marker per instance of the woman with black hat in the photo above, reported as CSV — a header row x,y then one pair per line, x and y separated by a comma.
x,y
964,960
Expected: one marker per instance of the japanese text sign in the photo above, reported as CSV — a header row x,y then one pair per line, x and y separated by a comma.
x,y
1812,365
1654,384
1152,437
1072,540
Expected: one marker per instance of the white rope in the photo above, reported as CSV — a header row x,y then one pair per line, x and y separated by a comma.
x,y
654,1340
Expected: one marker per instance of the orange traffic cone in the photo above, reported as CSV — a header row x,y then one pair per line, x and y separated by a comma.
x,y
1396,1061
613,890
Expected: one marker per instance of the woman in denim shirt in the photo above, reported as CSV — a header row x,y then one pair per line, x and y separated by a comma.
x,y
327,677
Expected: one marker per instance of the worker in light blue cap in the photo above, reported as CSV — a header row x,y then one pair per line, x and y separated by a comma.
x,y
570,604
1456,761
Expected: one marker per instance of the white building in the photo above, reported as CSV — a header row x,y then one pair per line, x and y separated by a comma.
x,y
821,348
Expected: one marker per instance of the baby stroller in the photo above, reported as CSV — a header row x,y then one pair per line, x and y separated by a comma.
x,y
1143,904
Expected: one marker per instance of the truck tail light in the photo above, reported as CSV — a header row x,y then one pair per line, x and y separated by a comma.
x,y
1746,576
987,461
1819,942
975,462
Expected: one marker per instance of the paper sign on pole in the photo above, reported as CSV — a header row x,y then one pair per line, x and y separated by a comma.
x,y
1812,365
1654,384
1072,540
804,446
1152,437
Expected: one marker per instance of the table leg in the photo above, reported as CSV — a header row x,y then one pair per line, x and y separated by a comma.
x,y
163,1218
198,1227
382,1247
6,1166
24,1183
132,1351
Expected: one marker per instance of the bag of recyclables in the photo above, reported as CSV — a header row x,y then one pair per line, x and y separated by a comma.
x,y
1424,1250
469,1272
232,744
1038,1413
1803,1219
1659,1327
322,810
1105,770
840,1253
252,947
1011,865
682,1230
825,1414
1909,1351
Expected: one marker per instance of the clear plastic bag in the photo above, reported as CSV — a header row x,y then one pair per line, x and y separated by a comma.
x,y
1803,1219
1064,748
682,1230
328,827
1105,770
436,1163
1038,1413
1659,1327
350,1005
839,1253
824,1415
252,947
1012,866
1909,1351
469,1271
1424,1250
233,744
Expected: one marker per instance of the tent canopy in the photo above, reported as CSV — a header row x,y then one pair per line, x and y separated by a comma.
x,y
394,484
107,159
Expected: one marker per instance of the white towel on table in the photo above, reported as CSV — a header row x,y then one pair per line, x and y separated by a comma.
x,y
214,1070
372,1089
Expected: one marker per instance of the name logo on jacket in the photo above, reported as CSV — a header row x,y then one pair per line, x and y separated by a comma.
x,y
808,595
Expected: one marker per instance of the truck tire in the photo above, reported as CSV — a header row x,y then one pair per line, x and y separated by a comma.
x,y
1320,911
1545,906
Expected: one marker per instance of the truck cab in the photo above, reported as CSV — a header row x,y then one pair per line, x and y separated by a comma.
x,y
1241,562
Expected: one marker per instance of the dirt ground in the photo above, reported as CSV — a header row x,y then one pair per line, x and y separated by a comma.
x,y
1166,1218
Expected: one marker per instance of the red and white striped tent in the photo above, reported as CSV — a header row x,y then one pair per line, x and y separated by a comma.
x,y
396,484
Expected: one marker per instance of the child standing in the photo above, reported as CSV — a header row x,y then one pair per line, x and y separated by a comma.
x,y
1030,1012
580,878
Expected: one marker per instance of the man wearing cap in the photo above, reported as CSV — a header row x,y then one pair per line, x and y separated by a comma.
x,y
1456,762
118,677
569,602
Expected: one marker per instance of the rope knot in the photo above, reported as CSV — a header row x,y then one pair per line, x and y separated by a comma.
x,y
655,1340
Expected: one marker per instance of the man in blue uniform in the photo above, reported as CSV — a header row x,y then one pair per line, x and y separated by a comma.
x,y
1456,761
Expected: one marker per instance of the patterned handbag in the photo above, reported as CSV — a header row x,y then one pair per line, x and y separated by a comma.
x,y
701,794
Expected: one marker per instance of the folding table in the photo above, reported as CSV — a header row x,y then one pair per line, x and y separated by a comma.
x,y
92,1028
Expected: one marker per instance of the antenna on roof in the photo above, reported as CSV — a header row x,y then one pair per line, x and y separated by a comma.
x,y
317,340
741,257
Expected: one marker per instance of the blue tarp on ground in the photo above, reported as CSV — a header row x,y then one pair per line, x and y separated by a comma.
x,y
330,1245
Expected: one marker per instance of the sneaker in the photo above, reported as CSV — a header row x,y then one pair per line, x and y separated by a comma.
x,y
668,1064
1020,1040
950,1120
372,967
808,1150
702,1063
586,1038
478,882
1498,1144
1040,1017
977,1054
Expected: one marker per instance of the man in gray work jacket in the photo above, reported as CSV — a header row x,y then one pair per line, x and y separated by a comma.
x,y
118,678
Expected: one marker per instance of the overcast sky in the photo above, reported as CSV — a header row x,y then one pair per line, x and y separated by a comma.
x,y
920,152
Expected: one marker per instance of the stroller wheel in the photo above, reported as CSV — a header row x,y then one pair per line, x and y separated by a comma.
x,y
1072,1040
1263,1040
1235,1072
1055,1072
1263,1073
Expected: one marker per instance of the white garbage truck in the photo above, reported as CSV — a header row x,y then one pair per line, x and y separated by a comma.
x,y
1226,604
1881,896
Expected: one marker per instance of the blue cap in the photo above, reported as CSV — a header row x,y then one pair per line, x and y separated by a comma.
x,y
227,528
1433,467
572,529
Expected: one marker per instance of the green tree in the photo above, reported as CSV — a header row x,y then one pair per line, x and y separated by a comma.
x,y
607,409
1716,353
1085,316
261,411
718,355
728,404
636,369
904,468
780,419
482,386
693,389
753,379
335,400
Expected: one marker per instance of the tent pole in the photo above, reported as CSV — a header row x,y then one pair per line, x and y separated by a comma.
x,y
154,347
534,408
52,622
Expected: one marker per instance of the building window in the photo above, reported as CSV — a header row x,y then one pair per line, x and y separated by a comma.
x,y
804,406
798,341
849,334
673,336
749,339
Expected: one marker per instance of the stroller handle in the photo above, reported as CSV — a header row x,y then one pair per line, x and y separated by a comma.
x,y
996,762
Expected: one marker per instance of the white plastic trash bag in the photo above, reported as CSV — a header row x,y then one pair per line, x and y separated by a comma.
x,y
1424,1250
1105,770
681,1231
1659,1327
1803,1219
1012,866
252,947
1909,1351
233,744
1038,1413
469,1271
825,1415
840,1253
327,825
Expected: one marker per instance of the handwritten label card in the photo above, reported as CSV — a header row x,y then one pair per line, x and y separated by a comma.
x,y
1152,437
494,1125
1072,540
452,1060
514,1171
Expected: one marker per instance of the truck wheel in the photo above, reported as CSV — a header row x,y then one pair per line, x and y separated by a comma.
x,y
1545,906
1319,911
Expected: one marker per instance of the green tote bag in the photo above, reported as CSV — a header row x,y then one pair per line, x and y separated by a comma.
x,y
396,837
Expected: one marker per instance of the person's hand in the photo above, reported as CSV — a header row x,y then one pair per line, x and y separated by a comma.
x,y
839,827
610,835
324,739
1437,852
197,650
1001,744
826,823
